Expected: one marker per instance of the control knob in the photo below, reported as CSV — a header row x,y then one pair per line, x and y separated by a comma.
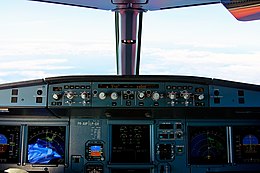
x,y
56,96
201,97
185,95
179,134
84,95
172,95
141,95
114,96
102,96
155,96
70,95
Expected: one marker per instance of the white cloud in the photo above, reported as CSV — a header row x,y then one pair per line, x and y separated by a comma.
x,y
229,66
54,47
34,64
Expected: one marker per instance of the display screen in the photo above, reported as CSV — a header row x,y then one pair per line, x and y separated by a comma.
x,y
130,144
166,126
94,151
9,144
140,86
246,141
207,145
46,144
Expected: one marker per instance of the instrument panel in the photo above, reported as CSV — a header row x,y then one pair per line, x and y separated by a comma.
x,y
130,125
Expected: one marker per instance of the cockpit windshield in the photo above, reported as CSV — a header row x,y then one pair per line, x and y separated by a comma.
x,y
39,40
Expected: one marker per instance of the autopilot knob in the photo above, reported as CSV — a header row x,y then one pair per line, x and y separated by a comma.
x,y
84,95
57,96
114,95
201,97
70,95
141,95
186,95
172,95
102,96
155,96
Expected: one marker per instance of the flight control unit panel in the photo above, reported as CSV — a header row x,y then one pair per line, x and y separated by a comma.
x,y
130,124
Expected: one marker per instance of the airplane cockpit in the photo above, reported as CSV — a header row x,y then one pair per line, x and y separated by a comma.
x,y
131,123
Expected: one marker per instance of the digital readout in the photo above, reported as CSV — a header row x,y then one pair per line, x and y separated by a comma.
x,y
150,86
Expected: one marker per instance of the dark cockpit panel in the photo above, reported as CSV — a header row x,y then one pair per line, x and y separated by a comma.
x,y
126,124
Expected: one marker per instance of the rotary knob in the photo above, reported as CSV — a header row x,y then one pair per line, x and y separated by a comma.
x,y
84,95
114,96
141,95
155,96
56,96
172,95
201,97
179,134
185,95
70,95
102,96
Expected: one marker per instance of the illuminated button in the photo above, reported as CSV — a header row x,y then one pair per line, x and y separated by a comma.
x,y
131,96
163,136
125,96
217,100
156,104
141,103
128,103
180,149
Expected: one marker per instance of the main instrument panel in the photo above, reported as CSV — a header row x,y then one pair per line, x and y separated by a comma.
x,y
130,124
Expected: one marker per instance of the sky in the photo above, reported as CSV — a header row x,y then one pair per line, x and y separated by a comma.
x,y
39,40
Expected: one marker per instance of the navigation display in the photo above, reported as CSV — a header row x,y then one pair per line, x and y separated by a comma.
x,y
46,144
9,144
130,143
246,144
207,145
